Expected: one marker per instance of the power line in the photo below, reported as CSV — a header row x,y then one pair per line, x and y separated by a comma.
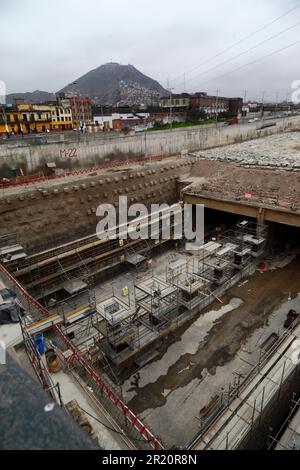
x,y
239,42
244,52
271,91
253,62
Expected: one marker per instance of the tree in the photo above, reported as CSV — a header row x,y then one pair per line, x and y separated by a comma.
x,y
194,115
226,115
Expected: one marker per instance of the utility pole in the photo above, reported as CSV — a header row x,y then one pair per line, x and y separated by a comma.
x,y
245,100
5,120
75,104
287,100
81,111
171,108
217,104
277,96
145,139
262,104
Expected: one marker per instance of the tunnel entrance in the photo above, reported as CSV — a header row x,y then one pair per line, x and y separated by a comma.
x,y
281,238
217,222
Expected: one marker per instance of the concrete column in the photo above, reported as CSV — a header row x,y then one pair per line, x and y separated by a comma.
x,y
260,221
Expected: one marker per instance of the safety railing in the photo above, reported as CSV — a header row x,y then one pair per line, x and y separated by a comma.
x,y
82,171
105,392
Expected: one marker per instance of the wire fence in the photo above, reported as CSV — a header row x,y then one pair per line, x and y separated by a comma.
x,y
41,178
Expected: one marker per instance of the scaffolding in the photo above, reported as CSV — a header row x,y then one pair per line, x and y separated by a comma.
x,y
159,299
98,336
140,435
39,366
230,421
131,425
128,329
162,304
192,288
42,273
288,436
117,325
252,235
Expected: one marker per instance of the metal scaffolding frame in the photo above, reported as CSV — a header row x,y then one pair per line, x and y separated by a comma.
x,y
158,298
277,440
117,325
215,414
39,366
135,427
109,332
161,305
192,288
41,273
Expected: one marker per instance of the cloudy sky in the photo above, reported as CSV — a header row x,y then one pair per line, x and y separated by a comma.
x,y
46,45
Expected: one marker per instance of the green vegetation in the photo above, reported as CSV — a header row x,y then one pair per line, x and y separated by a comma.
x,y
196,115
178,125
226,115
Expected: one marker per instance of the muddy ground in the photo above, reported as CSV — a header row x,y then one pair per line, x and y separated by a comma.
x,y
261,295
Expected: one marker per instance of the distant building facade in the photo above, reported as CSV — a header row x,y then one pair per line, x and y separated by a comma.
x,y
181,101
22,118
62,118
35,118
211,105
122,121
81,109
25,119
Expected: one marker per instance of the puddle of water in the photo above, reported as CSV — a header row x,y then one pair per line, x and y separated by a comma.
x,y
285,307
280,262
184,404
176,419
188,344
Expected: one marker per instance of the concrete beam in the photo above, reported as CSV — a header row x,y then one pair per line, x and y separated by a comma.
x,y
260,213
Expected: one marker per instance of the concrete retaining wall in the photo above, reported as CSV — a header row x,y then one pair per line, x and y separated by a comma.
x,y
65,211
94,150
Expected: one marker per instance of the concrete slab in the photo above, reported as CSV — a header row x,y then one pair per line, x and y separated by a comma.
x,y
178,385
72,391
187,344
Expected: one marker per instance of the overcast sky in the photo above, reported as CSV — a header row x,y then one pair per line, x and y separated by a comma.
x,y
46,45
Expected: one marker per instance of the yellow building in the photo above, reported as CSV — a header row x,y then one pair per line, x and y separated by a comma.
x,y
10,121
34,118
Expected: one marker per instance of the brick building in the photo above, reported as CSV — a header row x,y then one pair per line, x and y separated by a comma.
x,y
81,109
202,102
215,104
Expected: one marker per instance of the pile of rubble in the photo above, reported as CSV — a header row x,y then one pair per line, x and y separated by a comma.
x,y
280,151
235,182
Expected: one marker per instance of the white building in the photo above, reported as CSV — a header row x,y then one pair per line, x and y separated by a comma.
x,y
106,122
62,118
